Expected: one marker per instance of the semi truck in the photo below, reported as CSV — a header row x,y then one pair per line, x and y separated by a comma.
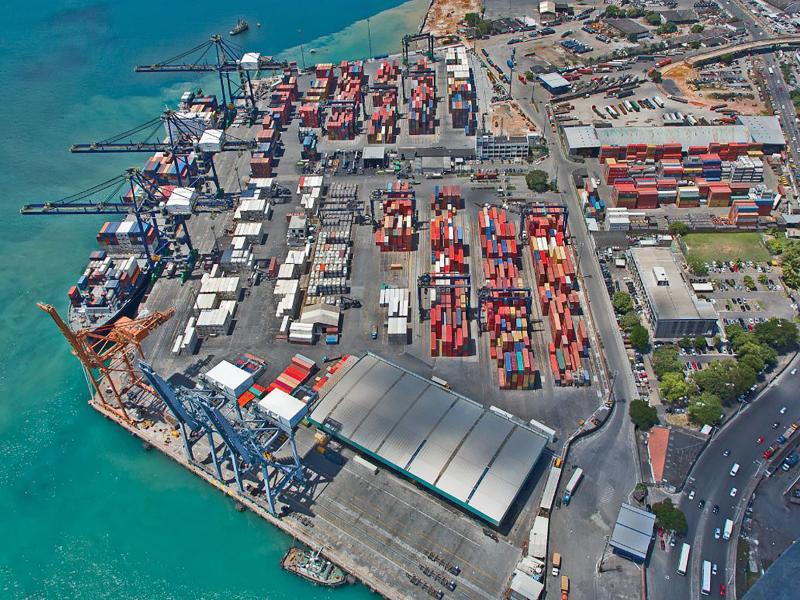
x,y
564,587
572,485
727,529
556,564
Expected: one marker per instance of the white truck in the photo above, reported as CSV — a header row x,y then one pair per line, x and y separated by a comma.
x,y
727,530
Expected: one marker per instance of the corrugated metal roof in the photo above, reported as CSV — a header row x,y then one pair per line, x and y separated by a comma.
x,y
454,446
764,129
554,80
633,531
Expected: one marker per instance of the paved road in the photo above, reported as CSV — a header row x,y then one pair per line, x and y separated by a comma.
x,y
608,457
711,481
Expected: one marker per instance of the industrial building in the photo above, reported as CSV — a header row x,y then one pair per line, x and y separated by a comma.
x,y
477,458
489,147
628,28
374,157
633,533
678,16
672,308
554,83
586,140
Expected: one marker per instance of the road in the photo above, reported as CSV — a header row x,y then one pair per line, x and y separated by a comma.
x,y
711,481
609,457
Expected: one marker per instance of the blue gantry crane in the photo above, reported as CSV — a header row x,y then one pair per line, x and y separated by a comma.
x,y
166,133
224,58
252,439
111,198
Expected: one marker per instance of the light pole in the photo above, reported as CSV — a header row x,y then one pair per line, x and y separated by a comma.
x,y
369,38
302,50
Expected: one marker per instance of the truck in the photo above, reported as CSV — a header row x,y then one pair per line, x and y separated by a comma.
x,y
572,485
556,564
790,461
564,587
727,529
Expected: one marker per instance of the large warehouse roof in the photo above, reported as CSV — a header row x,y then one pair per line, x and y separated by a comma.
x,y
633,531
472,456
764,129
672,299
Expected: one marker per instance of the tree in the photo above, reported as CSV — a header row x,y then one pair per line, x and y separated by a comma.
x,y
622,302
697,28
697,266
704,409
694,44
726,379
685,343
655,76
640,337
652,18
670,517
780,334
726,59
763,279
665,360
678,228
538,180
674,386
668,27
613,11
748,282
642,414
629,320
699,342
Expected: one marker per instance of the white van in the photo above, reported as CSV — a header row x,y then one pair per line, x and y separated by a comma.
x,y
734,470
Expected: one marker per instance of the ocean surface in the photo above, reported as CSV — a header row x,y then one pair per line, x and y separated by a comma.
x,y
84,511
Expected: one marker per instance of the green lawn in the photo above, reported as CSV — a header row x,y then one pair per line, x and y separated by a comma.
x,y
726,246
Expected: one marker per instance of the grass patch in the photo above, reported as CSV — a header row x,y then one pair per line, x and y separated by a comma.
x,y
726,246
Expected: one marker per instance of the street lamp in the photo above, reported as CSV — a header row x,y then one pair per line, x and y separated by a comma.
x,y
302,50
369,37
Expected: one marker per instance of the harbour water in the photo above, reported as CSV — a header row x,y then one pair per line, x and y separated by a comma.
x,y
85,511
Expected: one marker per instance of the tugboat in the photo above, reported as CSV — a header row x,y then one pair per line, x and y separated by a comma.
x,y
241,25
311,566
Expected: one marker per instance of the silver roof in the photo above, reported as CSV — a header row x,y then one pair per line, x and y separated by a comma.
x,y
554,79
764,129
448,442
633,531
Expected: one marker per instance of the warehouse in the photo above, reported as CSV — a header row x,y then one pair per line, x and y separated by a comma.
x,y
374,157
678,16
628,28
476,458
672,308
586,140
554,83
633,533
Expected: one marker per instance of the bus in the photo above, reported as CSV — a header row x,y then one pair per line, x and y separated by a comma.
x,y
705,589
683,562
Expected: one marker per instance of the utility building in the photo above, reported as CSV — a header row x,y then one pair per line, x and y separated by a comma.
x,y
672,308
633,533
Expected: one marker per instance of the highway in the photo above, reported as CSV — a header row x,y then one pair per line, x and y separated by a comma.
x,y
711,481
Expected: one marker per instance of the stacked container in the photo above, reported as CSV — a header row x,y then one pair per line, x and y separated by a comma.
x,y
396,230
295,375
504,313
422,104
555,278
460,90
743,213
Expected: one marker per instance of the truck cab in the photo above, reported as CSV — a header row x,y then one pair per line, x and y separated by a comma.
x,y
556,564
564,587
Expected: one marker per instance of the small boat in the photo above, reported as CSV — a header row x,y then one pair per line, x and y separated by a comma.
x,y
258,23
241,25
311,566
312,51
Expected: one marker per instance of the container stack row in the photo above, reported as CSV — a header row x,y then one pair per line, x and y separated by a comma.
x,y
282,99
505,314
555,277
460,90
422,104
106,282
593,205
382,125
125,237
396,230
267,138
398,306
293,376
447,197
165,168
341,123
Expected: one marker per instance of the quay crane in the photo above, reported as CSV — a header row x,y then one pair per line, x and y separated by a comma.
x,y
108,354
251,438
108,198
222,57
180,140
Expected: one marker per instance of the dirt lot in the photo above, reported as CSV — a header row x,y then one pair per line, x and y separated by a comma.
x,y
508,120
681,74
444,16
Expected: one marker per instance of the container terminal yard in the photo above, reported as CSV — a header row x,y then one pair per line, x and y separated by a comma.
x,y
329,293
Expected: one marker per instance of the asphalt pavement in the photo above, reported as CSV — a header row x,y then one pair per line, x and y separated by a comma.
x,y
710,480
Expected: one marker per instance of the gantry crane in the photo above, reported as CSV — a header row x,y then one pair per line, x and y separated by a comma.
x,y
224,58
175,137
108,355
143,202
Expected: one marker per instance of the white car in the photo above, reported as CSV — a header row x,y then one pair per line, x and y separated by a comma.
x,y
793,372
717,533
782,410
734,491
713,568
691,495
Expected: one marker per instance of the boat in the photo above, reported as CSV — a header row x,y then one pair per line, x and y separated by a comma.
x,y
312,51
312,567
98,300
241,25
258,23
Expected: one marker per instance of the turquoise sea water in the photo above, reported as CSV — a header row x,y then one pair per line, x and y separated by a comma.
x,y
84,512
